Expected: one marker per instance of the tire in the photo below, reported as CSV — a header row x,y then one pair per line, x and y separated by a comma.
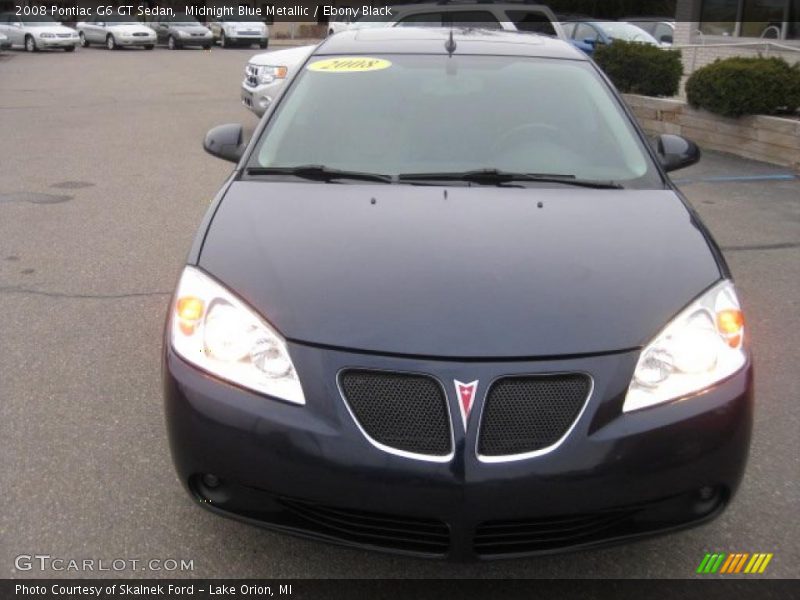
x,y
207,47
69,49
30,44
111,43
84,41
223,41
263,45
149,47
172,43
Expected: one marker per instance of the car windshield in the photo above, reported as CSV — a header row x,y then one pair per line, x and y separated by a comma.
x,y
626,32
242,19
181,19
433,113
117,20
367,20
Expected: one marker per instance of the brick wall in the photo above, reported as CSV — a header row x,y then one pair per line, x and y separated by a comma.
x,y
769,139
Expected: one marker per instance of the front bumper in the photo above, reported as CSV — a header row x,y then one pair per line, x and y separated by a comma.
x,y
57,42
246,38
135,41
257,99
309,470
195,40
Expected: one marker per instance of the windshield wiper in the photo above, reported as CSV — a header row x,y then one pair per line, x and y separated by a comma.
x,y
498,177
319,173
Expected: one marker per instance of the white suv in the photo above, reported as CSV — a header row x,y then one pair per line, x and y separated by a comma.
x,y
239,30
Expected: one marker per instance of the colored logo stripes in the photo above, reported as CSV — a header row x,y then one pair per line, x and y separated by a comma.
x,y
739,562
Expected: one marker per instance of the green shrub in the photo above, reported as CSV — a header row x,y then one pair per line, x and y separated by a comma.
x,y
637,68
745,86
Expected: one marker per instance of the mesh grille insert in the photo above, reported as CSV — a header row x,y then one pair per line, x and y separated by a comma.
x,y
525,414
405,412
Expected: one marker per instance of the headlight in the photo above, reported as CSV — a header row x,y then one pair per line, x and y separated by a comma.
x,y
703,345
268,74
182,34
47,35
217,332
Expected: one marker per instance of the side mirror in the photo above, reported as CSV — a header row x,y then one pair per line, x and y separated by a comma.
x,y
590,41
665,39
676,152
225,142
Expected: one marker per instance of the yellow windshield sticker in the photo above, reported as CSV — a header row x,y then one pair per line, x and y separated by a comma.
x,y
350,64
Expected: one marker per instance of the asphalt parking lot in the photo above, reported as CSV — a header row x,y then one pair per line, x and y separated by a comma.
x,y
103,182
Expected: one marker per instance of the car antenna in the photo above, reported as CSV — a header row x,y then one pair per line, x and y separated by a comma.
x,y
450,43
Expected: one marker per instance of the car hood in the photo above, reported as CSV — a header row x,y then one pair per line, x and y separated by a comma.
x,y
474,272
190,28
287,58
245,24
129,29
56,29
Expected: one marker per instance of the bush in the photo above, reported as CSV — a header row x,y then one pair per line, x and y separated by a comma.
x,y
745,86
637,68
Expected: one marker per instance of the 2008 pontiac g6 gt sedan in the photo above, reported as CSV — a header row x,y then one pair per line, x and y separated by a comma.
x,y
449,304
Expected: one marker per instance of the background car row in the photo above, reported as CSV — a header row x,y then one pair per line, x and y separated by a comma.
x,y
583,32
265,73
39,32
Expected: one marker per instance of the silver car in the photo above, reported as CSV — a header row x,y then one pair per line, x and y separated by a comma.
x,y
37,32
180,30
115,31
240,30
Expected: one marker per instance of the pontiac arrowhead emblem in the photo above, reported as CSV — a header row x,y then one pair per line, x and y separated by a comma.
x,y
465,392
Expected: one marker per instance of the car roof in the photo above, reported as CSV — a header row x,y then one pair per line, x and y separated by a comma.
x,y
431,40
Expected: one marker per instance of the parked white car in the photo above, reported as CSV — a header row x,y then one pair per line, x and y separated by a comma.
x,y
37,32
239,30
266,73
115,31
511,16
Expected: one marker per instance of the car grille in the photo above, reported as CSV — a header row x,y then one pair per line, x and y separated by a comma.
x,y
140,34
494,538
401,411
531,413
64,35
428,536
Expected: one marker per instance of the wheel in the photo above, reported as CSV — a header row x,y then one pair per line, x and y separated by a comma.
x,y
172,43
207,47
263,45
69,49
84,41
223,42
149,47
30,44
111,43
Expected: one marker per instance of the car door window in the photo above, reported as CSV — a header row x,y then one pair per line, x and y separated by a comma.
x,y
429,19
584,31
663,31
532,21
